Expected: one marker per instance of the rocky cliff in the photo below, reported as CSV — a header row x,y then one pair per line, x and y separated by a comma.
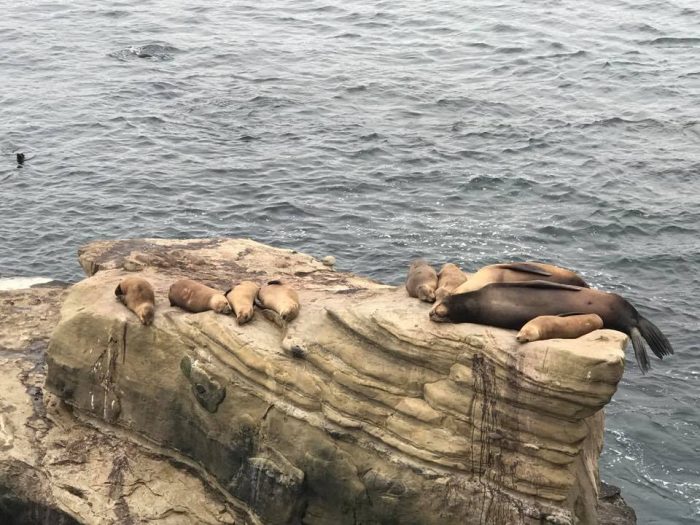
x,y
359,411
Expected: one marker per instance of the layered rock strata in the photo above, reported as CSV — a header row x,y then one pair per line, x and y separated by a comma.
x,y
359,411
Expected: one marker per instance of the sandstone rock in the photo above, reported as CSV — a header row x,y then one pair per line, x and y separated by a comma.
x,y
359,411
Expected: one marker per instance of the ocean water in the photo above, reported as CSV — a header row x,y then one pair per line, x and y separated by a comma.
x,y
565,131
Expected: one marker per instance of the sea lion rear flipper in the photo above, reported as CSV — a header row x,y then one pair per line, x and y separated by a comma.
x,y
640,350
539,284
657,340
525,267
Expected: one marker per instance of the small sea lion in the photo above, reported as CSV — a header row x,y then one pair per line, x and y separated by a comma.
x,y
518,272
136,293
559,327
512,305
197,297
421,281
20,159
242,298
281,298
449,278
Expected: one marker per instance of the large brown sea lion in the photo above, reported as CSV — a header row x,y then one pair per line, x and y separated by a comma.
x,y
449,278
421,281
242,298
281,298
559,327
137,295
517,272
511,305
197,297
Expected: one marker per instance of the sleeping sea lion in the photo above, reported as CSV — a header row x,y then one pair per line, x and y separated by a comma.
x,y
559,327
242,298
449,278
512,305
197,297
281,298
137,295
517,272
422,281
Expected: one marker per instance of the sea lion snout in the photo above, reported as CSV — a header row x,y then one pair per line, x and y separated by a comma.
x,y
426,293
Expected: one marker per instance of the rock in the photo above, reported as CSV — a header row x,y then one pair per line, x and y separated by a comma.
x,y
359,411
56,469
329,261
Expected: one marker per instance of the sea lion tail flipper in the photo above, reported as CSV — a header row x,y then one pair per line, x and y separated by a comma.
x,y
640,350
657,340
525,267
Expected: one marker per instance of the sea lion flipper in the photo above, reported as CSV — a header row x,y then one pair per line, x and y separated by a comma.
x,y
539,284
118,290
640,350
658,342
569,314
525,267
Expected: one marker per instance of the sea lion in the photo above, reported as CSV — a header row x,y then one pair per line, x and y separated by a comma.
x,y
512,305
517,272
449,278
197,297
421,281
281,298
242,298
136,293
559,327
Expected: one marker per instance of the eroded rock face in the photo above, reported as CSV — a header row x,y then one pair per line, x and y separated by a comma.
x,y
57,470
359,411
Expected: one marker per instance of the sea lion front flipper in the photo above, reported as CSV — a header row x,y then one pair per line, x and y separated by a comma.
x,y
539,284
525,267
569,314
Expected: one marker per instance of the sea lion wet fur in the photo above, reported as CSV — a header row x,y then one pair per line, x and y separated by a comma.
x,y
512,305
197,297
136,293
422,281
242,300
281,298
559,327
519,272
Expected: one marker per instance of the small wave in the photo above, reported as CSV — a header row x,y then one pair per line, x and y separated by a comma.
x,y
672,41
20,283
156,52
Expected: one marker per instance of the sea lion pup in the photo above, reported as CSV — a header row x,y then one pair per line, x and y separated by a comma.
x,y
137,295
197,297
281,298
512,305
517,272
421,281
242,298
449,278
559,327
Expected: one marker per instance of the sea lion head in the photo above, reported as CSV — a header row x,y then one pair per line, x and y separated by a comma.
x,y
426,293
145,312
528,334
219,304
440,294
245,315
440,312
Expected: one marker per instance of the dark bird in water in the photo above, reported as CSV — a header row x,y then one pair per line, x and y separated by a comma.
x,y
511,305
20,159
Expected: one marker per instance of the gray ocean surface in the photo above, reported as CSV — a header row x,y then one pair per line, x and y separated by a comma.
x,y
565,131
